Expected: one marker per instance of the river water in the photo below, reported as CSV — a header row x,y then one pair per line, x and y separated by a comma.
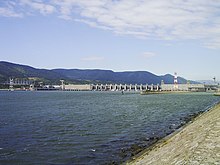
x,y
89,127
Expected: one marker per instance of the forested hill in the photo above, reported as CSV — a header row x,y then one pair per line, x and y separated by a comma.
x,y
82,76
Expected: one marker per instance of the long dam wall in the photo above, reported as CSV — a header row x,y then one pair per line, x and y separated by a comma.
x,y
141,87
111,87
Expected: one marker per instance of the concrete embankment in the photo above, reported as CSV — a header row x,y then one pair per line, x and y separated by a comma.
x,y
197,143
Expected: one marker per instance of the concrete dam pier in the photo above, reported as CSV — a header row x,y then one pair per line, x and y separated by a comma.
x,y
111,87
141,87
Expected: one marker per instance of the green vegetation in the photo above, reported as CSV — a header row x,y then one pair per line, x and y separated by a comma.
x,y
76,76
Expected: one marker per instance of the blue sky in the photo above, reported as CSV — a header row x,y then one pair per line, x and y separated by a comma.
x,y
160,36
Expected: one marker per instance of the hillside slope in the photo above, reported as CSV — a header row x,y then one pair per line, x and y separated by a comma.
x,y
23,71
135,77
82,76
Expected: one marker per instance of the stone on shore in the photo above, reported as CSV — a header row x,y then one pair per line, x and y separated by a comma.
x,y
197,143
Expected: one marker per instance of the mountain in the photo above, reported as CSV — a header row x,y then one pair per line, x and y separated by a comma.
x,y
11,69
135,77
23,71
82,76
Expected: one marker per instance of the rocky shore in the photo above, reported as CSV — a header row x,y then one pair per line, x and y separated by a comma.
x,y
197,143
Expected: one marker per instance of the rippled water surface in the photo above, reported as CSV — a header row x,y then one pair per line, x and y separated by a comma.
x,y
89,127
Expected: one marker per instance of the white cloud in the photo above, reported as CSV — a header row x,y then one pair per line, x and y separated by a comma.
x,y
39,6
92,24
6,12
154,19
148,19
148,54
93,58
7,9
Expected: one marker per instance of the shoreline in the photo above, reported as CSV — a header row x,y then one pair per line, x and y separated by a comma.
x,y
175,148
164,92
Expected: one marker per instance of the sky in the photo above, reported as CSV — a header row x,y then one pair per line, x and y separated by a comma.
x,y
159,36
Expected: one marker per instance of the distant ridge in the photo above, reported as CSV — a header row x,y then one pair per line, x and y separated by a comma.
x,y
77,76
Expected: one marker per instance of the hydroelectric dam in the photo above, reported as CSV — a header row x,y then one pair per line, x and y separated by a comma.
x,y
141,87
117,87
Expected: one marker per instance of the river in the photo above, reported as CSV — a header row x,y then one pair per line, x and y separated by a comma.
x,y
89,127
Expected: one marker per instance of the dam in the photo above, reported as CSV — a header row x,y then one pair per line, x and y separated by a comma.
x,y
116,87
111,87
141,87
